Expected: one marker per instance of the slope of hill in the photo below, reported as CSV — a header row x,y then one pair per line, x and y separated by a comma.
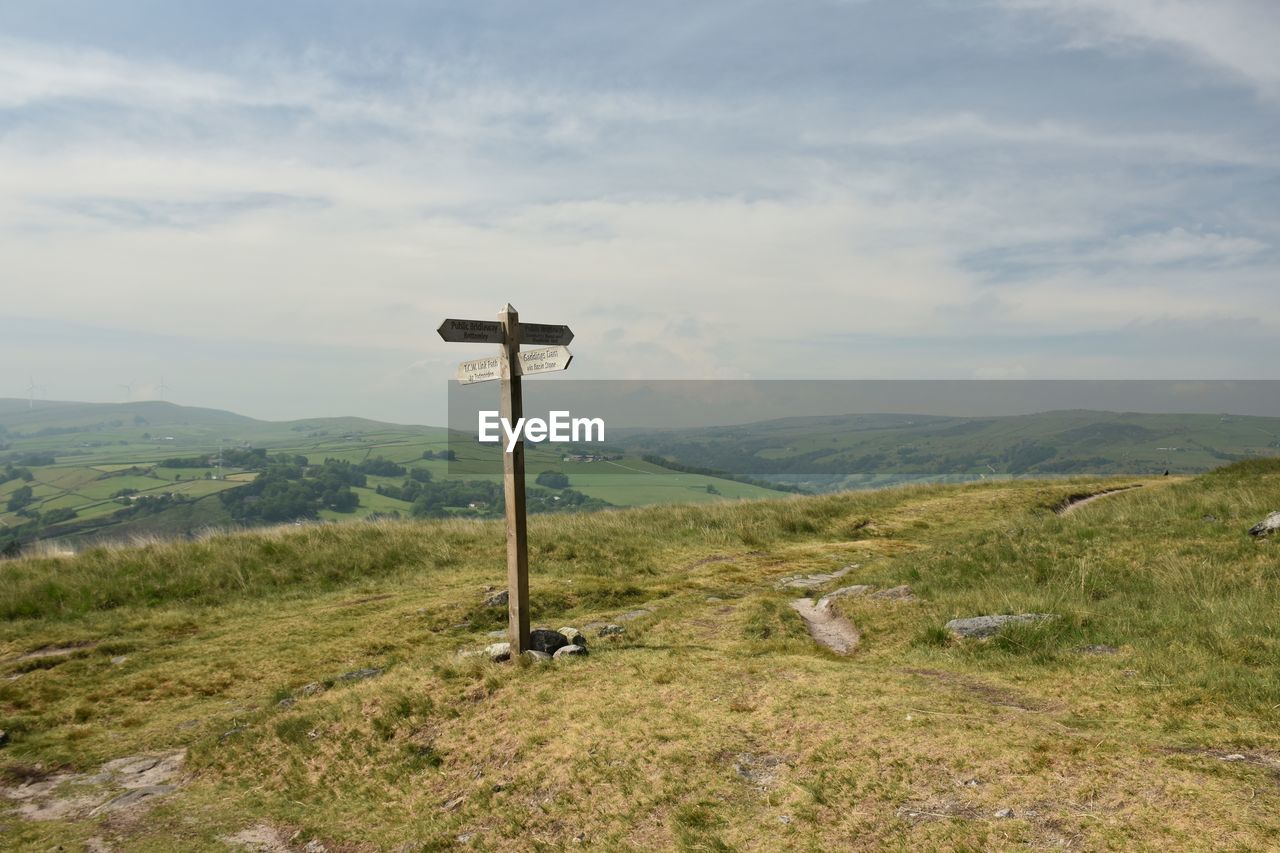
x,y
290,686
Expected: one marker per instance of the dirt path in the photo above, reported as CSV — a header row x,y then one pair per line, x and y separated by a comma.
x,y
1072,504
827,627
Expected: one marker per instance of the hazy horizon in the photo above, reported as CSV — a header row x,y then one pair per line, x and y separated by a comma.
x,y
642,404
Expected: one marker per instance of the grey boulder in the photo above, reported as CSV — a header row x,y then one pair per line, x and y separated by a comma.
x,y
574,636
981,627
570,651
1267,526
897,593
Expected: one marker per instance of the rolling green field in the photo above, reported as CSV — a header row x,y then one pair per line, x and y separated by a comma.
x,y
304,684
98,450
101,449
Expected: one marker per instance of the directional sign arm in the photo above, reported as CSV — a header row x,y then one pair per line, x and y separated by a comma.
x,y
545,360
545,335
472,331
480,370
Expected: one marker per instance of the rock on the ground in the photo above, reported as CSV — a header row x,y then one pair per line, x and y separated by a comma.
x,y
897,593
574,636
534,654
570,651
1004,813
1267,526
854,591
359,674
633,614
612,630
131,798
546,640
117,784
826,626
811,581
496,599
981,627
498,652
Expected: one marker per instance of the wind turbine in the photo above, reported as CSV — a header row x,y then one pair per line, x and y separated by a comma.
x,y
31,392
163,388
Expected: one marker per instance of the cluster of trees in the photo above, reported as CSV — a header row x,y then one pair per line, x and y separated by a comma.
x,y
553,479
562,500
412,488
11,472
446,455
245,458
144,505
433,498
185,462
32,458
19,498
287,490
483,498
379,467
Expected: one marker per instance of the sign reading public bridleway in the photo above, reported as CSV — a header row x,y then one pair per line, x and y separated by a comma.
x,y
489,332
508,366
545,360
471,331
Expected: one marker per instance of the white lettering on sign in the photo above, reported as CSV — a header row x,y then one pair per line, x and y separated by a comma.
x,y
560,426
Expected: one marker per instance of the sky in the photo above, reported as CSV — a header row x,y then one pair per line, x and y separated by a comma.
x,y
269,208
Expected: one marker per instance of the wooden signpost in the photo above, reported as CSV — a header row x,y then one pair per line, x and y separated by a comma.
x,y
508,366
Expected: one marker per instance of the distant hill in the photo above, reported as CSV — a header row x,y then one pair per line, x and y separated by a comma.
x,y
26,415
859,451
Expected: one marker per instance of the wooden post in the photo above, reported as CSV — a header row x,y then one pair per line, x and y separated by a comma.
x,y
508,366
512,409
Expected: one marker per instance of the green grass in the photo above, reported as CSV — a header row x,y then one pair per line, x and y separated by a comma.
x,y
713,722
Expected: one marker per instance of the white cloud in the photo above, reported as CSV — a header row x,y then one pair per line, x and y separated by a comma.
x,y
274,200
1240,36
1178,245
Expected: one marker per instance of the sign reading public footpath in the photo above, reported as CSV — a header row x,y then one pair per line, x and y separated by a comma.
x,y
508,366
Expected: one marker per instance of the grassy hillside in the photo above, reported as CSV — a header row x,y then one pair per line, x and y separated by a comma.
x,y
713,722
